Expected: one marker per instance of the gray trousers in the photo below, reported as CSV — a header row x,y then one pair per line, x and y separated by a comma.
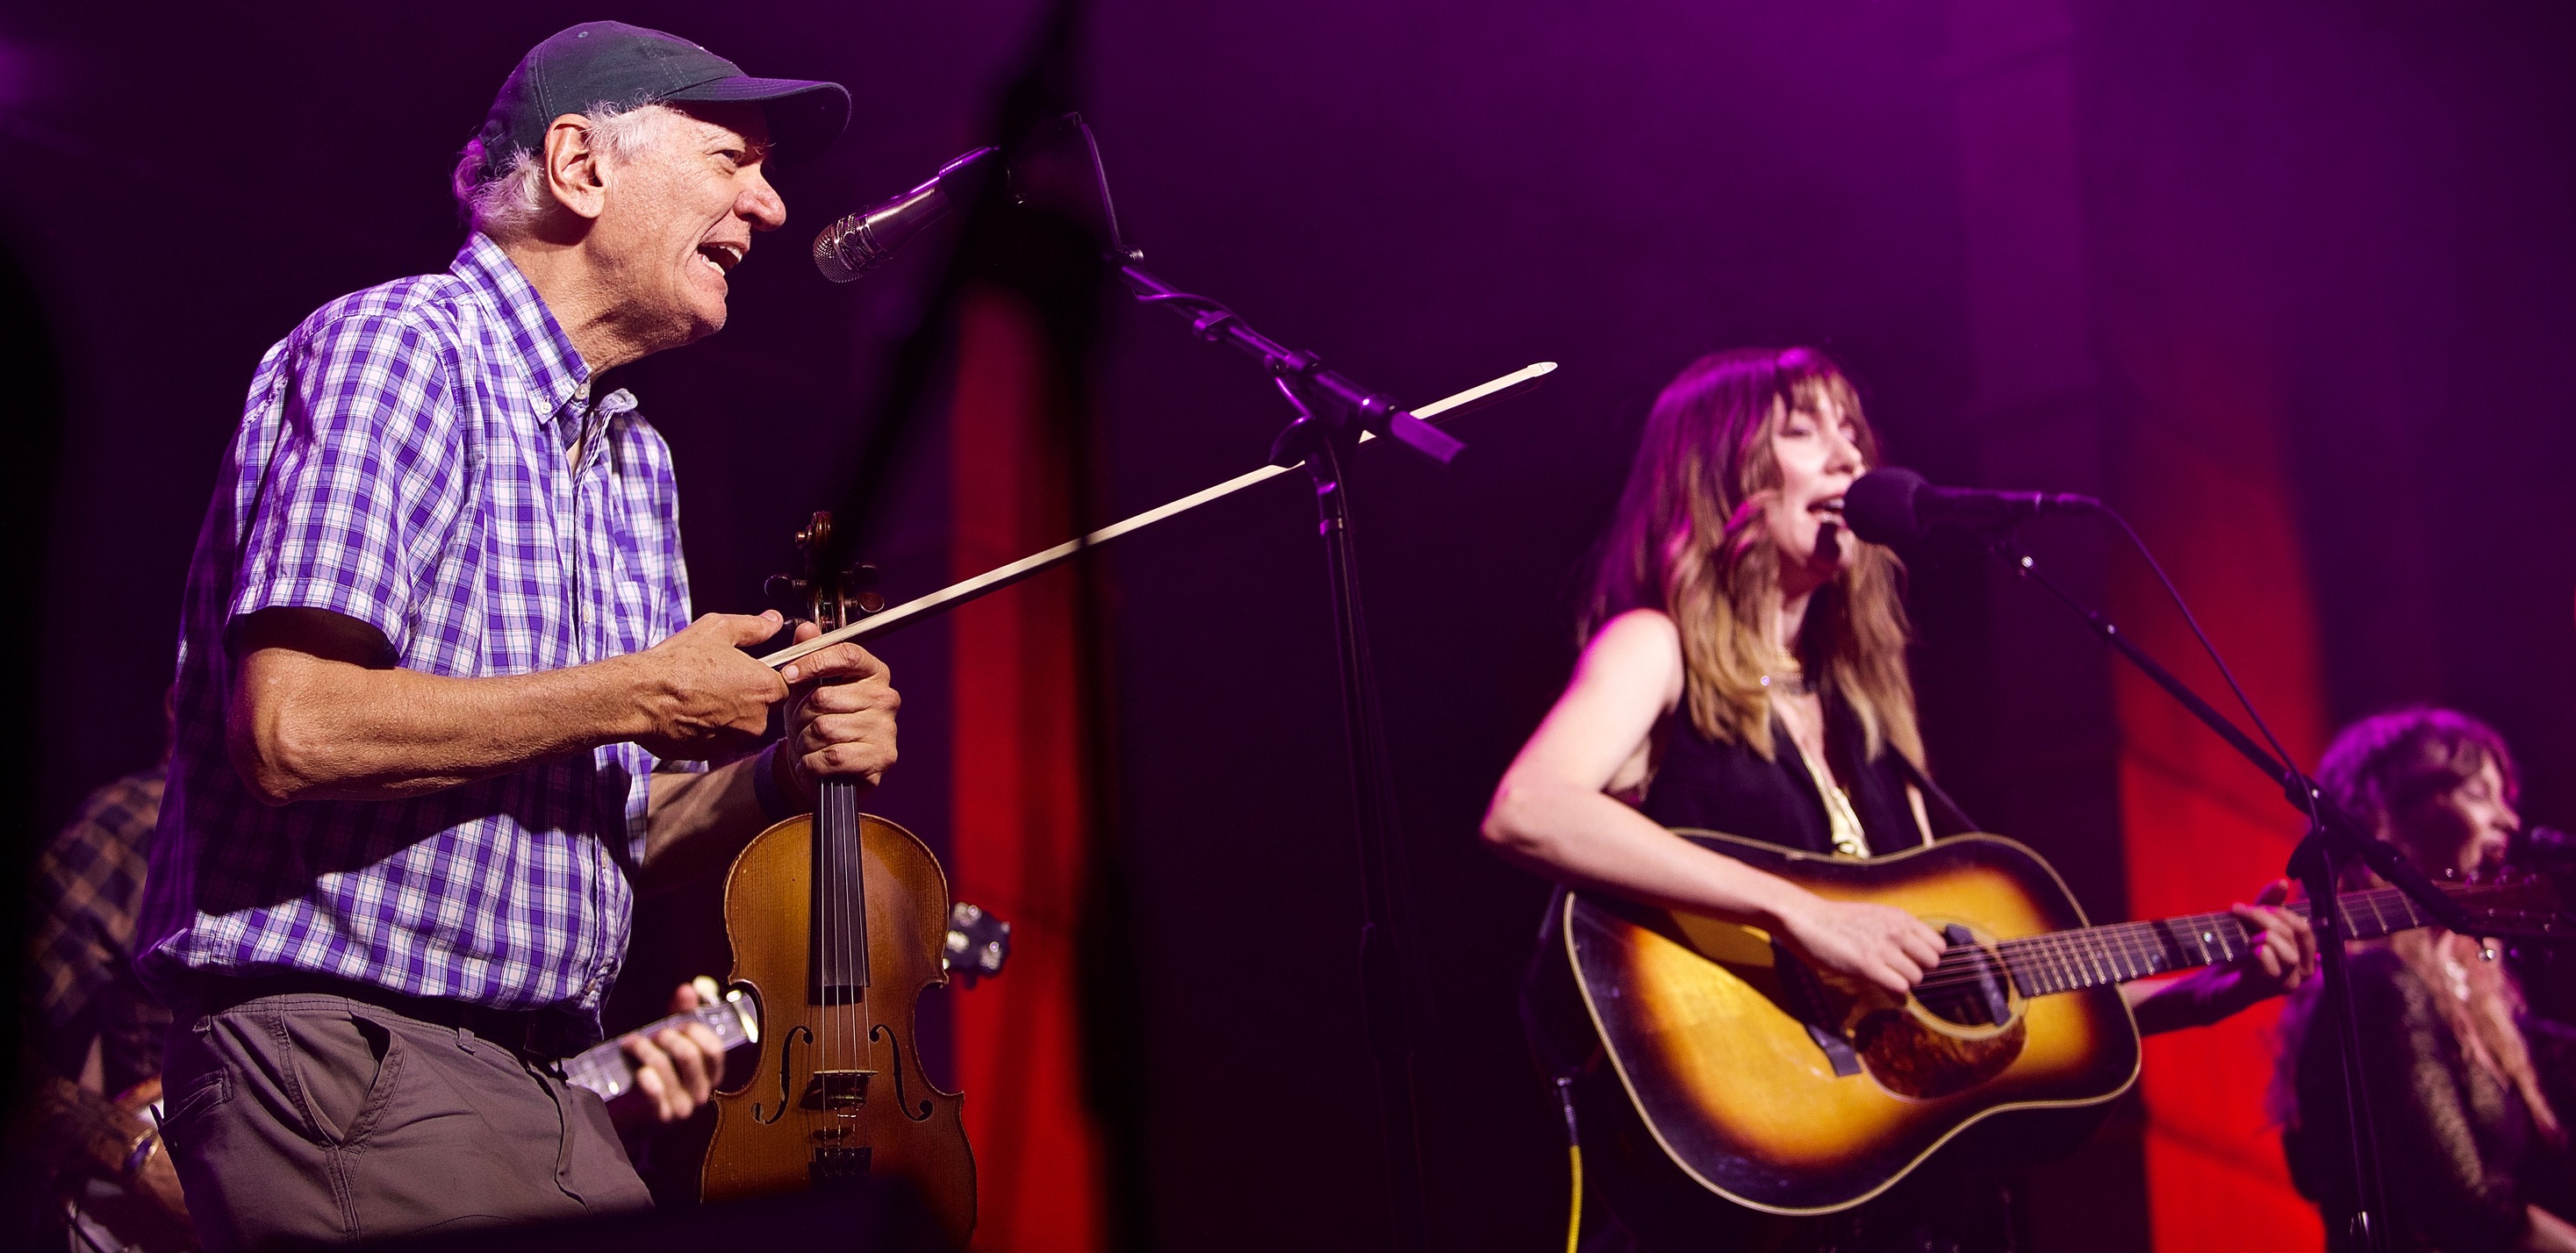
x,y
307,1118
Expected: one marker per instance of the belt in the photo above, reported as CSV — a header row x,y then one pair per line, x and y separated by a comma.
x,y
541,1034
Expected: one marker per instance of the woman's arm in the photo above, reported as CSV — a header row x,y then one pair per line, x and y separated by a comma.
x,y
1554,814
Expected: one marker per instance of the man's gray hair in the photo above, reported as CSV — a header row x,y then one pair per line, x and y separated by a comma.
x,y
504,202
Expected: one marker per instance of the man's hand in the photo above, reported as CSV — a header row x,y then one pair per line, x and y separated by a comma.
x,y
842,720
675,1068
1879,944
704,697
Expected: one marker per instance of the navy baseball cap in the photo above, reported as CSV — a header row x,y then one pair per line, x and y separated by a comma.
x,y
613,63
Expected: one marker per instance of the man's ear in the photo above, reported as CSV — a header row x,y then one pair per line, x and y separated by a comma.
x,y
573,171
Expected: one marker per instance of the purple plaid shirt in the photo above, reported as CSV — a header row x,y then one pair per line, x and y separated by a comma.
x,y
407,457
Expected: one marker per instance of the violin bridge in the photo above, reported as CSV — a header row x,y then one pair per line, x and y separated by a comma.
x,y
836,1090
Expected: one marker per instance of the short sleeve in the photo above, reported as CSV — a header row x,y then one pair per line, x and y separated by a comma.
x,y
362,478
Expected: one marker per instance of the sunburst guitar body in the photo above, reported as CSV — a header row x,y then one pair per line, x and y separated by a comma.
x,y
1786,1090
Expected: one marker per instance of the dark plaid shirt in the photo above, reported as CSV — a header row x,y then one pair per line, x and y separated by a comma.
x,y
427,458
88,886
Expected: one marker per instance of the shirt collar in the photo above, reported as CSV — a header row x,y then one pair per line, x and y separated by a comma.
x,y
555,370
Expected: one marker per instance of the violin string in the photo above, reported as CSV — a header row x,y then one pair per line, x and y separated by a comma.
x,y
859,846
826,955
836,832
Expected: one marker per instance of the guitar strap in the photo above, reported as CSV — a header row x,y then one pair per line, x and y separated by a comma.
x,y
1948,817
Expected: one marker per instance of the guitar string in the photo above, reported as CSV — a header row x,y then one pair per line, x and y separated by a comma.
x,y
2102,954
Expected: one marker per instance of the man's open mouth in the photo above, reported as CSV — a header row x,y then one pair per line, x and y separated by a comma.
x,y
724,257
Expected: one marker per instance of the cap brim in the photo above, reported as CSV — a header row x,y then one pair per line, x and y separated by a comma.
x,y
804,117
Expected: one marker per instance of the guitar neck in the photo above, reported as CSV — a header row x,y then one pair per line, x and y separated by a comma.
x,y
2069,961
603,1068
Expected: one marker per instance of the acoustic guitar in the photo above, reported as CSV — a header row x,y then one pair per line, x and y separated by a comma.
x,y
1790,1090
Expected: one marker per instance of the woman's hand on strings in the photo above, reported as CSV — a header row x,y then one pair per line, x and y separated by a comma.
x,y
2283,956
1878,944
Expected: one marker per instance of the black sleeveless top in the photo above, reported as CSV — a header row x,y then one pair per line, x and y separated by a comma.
x,y
1718,786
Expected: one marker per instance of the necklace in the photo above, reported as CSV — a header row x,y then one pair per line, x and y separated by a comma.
x,y
1796,685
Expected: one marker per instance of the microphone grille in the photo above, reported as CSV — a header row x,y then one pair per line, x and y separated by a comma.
x,y
1879,506
846,249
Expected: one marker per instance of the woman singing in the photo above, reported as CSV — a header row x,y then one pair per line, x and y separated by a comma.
x,y
2472,1150
1744,671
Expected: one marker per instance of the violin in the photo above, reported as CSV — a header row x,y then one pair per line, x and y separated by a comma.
x,y
838,922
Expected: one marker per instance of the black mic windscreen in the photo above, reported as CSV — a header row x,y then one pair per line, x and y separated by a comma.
x,y
1879,506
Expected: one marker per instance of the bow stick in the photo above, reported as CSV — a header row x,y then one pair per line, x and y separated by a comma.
x,y
996,579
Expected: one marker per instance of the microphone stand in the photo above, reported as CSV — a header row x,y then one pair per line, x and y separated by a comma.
x,y
2333,841
1332,415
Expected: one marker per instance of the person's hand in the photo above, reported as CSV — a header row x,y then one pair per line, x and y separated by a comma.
x,y
842,720
675,1068
2546,1232
2284,954
702,696
1877,944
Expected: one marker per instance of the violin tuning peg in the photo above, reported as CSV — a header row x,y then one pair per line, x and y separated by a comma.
x,y
786,594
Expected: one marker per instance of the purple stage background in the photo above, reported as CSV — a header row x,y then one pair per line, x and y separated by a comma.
x,y
1982,207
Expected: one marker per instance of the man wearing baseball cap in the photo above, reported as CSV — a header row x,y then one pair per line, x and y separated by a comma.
x,y
441,707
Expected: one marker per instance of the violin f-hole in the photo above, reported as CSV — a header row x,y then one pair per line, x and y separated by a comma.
x,y
786,1069
896,1043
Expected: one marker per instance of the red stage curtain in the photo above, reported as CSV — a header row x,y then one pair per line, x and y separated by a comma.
x,y
1019,811
2205,484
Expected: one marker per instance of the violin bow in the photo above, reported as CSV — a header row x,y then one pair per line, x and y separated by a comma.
x,y
1000,577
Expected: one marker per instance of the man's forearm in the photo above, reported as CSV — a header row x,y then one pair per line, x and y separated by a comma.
x,y
306,727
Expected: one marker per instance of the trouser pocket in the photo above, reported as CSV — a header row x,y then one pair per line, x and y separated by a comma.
x,y
342,1064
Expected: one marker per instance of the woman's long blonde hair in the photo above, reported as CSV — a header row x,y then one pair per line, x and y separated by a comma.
x,y
1688,539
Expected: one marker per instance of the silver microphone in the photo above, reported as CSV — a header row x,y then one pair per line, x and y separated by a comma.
x,y
850,248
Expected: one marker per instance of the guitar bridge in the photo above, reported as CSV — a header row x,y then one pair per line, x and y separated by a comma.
x,y
831,1090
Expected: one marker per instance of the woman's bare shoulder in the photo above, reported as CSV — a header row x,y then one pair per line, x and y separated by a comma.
x,y
1639,629
1640,647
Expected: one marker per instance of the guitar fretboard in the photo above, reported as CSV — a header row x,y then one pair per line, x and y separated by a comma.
x,y
2068,961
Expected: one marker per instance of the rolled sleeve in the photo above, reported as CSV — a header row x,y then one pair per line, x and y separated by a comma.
x,y
362,482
